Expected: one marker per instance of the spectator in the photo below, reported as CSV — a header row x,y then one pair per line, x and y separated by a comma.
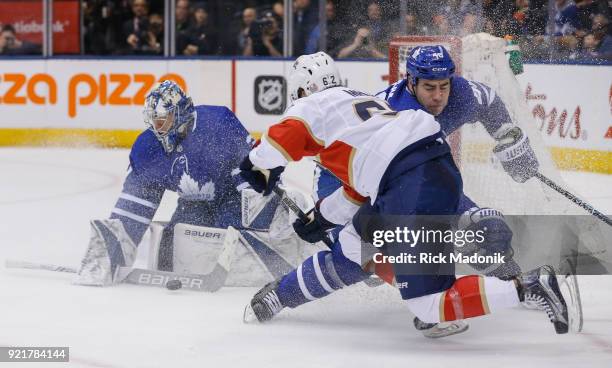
x,y
182,15
497,16
136,30
201,36
420,13
412,25
11,45
370,40
265,38
248,17
100,24
566,18
458,17
602,37
182,24
278,11
525,20
334,33
304,20
587,9
568,29
155,34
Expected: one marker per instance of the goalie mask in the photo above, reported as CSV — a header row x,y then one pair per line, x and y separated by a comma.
x,y
313,73
169,114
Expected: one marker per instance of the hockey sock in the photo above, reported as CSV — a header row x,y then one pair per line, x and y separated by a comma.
x,y
473,296
470,296
319,276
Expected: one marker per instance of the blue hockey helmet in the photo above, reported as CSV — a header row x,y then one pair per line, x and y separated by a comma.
x,y
429,62
168,113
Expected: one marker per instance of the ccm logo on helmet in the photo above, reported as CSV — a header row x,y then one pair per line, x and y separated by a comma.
x,y
438,69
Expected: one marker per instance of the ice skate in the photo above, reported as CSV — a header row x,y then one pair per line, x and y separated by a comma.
x,y
541,287
442,329
264,305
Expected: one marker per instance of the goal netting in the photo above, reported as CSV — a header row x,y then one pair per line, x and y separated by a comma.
x,y
481,57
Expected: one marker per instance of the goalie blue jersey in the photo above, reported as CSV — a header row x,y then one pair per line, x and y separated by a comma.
x,y
202,168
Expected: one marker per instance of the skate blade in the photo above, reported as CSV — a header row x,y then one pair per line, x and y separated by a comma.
x,y
571,292
249,315
374,282
445,329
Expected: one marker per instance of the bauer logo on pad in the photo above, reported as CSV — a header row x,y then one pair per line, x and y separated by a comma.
x,y
270,95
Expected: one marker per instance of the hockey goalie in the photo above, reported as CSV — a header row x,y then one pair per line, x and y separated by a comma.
x,y
220,223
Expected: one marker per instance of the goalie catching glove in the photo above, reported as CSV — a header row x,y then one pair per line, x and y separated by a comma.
x,y
515,153
258,179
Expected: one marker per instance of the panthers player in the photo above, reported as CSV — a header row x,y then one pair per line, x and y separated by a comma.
x,y
191,150
390,163
431,85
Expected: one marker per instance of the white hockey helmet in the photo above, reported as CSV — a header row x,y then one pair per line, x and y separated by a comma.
x,y
313,73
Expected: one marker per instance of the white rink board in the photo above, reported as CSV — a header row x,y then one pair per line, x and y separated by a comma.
x,y
564,88
572,104
81,101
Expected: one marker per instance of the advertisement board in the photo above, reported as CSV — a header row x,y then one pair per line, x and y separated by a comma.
x,y
26,17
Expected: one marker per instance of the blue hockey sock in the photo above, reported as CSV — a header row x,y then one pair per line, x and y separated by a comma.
x,y
319,276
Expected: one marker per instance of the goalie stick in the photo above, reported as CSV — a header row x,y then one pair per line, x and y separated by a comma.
x,y
210,282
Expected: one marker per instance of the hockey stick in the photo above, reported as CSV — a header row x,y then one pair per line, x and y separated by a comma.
x,y
209,282
293,207
371,282
590,209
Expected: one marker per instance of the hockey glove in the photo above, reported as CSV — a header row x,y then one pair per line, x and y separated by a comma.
x,y
515,153
316,229
258,179
492,236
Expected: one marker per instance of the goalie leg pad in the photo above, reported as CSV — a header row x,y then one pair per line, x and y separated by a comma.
x,y
109,247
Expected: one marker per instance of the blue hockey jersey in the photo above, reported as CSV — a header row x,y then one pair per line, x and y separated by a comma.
x,y
468,103
202,168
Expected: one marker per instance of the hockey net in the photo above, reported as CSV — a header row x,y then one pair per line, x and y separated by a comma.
x,y
481,57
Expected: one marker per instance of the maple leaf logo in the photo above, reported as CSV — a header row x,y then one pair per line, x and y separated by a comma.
x,y
189,189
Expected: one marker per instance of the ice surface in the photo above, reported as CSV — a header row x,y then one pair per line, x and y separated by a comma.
x,y
47,197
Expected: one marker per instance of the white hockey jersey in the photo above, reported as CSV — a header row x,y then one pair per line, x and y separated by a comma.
x,y
354,135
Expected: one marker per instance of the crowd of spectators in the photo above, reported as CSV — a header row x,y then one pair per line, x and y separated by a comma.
x,y
557,29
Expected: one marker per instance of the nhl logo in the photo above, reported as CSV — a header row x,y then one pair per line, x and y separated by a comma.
x,y
270,95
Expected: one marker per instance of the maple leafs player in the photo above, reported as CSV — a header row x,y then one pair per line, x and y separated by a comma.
x,y
431,85
391,163
192,150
